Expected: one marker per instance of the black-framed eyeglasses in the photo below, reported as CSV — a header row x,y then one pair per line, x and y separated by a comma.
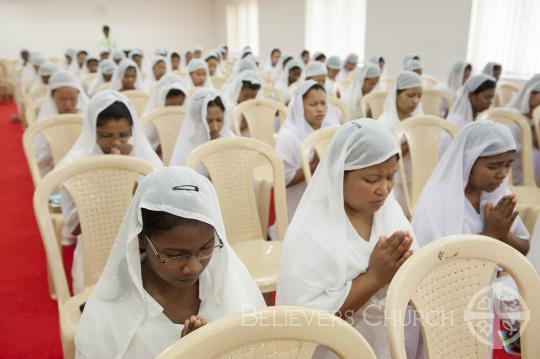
x,y
182,259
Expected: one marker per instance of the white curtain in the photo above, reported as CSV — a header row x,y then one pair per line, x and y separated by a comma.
x,y
243,25
336,27
508,32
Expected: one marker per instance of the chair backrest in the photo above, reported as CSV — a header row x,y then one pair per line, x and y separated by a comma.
x,y
218,82
260,115
428,81
512,118
167,121
32,110
139,99
60,131
385,83
273,333
87,79
101,188
373,101
342,85
345,112
319,141
505,92
230,163
55,59
37,93
266,77
104,86
447,282
431,101
273,93
423,135
180,73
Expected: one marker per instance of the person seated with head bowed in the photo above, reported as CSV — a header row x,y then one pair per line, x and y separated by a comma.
x,y
110,127
349,236
126,77
364,82
171,270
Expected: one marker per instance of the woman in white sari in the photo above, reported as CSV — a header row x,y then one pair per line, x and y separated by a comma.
x,y
110,127
105,73
157,68
525,102
199,76
365,80
171,270
291,74
468,192
349,236
307,113
126,77
403,102
207,119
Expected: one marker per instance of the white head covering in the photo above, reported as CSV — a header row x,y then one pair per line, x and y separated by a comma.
x,y
155,99
232,92
194,131
151,78
352,58
376,59
353,94
283,83
317,251
490,66
245,51
441,208
412,65
407,58
88,58
194,65
462,111
118,55
118,76
334,62
106,67
404,80
317,54
271,70
455,77
104,50
47,69
36,59
161,52
135,52
62,78
314,68
86,144
118,306
71,54
522,99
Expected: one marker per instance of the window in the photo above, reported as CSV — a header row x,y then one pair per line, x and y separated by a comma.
x,y
508,32
337,27
243,25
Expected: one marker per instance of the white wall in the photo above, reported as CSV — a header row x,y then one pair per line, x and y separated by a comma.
x,y
52,26
437,30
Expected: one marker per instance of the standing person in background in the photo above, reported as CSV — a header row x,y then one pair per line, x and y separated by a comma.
x,y
106,41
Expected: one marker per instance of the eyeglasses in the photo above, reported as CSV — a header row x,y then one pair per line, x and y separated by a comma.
x,y
183,259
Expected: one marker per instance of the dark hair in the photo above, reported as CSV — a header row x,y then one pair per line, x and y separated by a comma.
x,y
133,67
247,53
304,52
497,68
211,57
416,57
159,221
216,102
317,86
320,57
251,86
274,51
486,85
285,60
175,93
91,60
116,111
175,54
106,28
295,67
468,67
82,52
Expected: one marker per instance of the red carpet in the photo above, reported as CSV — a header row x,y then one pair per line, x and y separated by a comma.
x,y
29,320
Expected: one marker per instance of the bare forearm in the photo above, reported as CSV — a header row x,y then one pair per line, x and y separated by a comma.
x,y
362,289
298,177
520,244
